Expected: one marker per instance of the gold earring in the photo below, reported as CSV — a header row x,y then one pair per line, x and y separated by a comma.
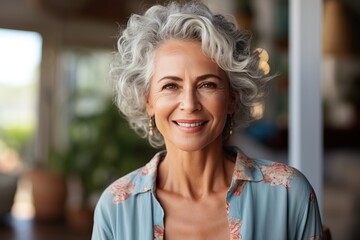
x,y
151,129
231,125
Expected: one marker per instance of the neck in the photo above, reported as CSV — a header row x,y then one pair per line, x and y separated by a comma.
x,y
195,174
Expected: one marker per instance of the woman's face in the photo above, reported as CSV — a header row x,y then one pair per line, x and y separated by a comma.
x,y
189,96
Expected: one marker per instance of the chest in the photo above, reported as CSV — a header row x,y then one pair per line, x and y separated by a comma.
x,y
205,219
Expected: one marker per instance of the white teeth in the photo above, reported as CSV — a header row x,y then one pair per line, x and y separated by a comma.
x,y
190,124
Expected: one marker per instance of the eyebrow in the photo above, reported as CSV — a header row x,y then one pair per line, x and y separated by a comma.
x,y
200,78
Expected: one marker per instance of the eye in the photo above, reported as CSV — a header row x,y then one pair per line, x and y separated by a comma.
x,y
170,86
208,85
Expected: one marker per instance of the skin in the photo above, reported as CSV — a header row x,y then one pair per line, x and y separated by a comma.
x,y
187,87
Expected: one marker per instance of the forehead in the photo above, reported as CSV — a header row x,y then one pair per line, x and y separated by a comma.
x,y
182,53
173,45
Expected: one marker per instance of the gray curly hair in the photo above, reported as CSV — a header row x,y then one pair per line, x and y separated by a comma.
x,y
221,40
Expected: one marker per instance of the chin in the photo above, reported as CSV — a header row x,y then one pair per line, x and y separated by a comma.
x,y
192,145
189,148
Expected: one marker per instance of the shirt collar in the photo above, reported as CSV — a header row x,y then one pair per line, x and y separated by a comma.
x,y
245,169
145,179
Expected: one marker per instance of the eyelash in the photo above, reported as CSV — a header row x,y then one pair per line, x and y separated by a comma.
x,y
169,86
209,85
172,86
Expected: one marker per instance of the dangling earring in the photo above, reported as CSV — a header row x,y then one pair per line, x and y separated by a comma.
x,y
231,125
151,129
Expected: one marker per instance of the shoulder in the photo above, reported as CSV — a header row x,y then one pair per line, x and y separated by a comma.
x,y
280,174
288,187
293,190
115,194
116,200
121,189
121,199
286,179
270,174
138,181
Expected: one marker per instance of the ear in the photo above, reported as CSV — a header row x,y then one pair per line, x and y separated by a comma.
x,y
149,106
231,108
231,104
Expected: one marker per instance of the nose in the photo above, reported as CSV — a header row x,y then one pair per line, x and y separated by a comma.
x,y
189,100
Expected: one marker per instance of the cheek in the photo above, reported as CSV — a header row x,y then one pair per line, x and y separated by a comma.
x,y
161,101
217,104
162,104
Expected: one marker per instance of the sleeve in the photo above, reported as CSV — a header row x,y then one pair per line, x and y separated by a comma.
x,y
310,225
100,233
307,224
102,221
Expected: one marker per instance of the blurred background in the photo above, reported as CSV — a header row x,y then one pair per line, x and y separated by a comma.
x,y
62,141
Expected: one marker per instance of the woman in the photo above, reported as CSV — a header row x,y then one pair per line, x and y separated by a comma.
x,y
186,78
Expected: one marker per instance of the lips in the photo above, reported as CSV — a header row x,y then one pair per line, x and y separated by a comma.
x,y
190,123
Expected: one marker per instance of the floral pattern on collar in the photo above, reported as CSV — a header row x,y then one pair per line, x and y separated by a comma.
x,y
246,169
138,181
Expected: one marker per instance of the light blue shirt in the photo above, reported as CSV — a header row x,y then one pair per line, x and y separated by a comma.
x,y
266,200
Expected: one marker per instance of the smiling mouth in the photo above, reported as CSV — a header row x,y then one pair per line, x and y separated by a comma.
x,y
190,125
